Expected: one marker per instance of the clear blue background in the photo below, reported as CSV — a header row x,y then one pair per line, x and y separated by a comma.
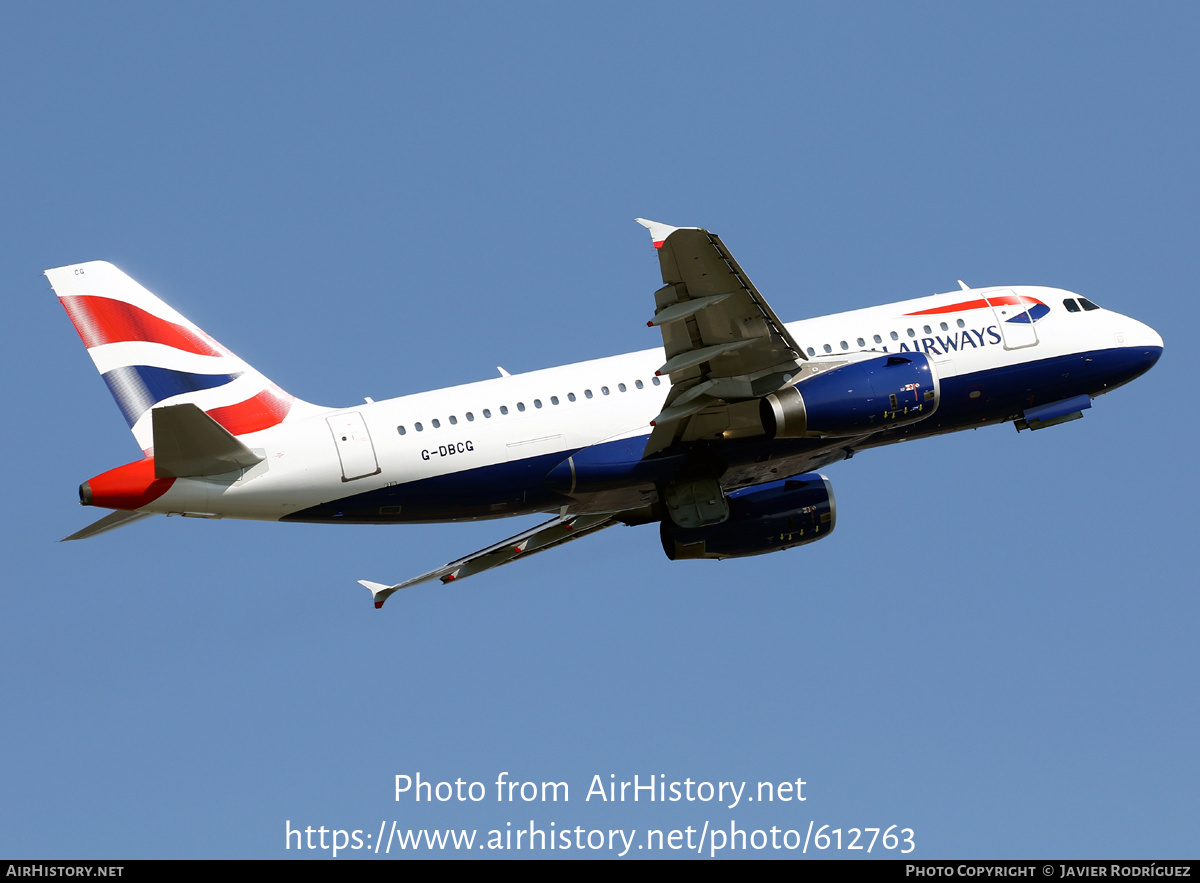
x,y
996,648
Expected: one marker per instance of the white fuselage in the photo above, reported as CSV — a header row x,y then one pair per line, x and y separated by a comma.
x,y
480,428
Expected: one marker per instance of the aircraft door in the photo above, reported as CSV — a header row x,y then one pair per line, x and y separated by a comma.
x,y
354,446
1016,325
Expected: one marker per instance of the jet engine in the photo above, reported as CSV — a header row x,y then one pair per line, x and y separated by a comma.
x,y
858,398
764,518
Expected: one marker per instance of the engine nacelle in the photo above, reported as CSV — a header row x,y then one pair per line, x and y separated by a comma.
x,y
764,518
865,396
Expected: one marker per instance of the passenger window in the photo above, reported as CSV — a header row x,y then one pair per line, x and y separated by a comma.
x,y
504,409
845,346
638,384
878,339
828,348
621,386
487,414
1071,306
811,351
587,393
604,389
928,330
400,429
570,397
911,333
437,424
945,327
554,400
419,427
655,380
962,324
895,336
470,417
861,342
453,420
520,406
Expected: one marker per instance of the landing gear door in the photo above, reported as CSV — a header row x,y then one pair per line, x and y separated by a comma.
x,y
1016,324
353,445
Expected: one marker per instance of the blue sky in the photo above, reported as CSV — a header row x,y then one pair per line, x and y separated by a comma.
x,y
997,646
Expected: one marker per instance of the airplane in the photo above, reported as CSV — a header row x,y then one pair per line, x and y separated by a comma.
x,y
717,436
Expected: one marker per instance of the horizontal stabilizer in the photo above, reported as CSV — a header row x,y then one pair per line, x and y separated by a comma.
x,y
188,442
111,521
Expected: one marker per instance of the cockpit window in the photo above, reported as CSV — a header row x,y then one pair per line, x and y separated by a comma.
x,y
1071,306
1087,304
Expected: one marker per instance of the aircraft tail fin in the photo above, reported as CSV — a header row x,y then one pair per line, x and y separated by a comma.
x,y
150,355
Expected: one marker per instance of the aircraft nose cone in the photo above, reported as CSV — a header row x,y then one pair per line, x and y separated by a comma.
x,y
1145,336
1144,347
1151,341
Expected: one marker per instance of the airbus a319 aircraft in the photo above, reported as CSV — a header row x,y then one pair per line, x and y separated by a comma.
x,y
715,437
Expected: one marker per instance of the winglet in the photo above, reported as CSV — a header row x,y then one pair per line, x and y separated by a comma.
x,y
379,592
658,232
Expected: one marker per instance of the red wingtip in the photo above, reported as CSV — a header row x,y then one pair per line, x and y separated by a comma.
x,y
378,605
659,244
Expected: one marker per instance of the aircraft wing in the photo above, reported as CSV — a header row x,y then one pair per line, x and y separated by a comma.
x,y
725,346
545,536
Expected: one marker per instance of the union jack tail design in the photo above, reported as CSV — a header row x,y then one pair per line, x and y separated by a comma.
x,y
150,355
